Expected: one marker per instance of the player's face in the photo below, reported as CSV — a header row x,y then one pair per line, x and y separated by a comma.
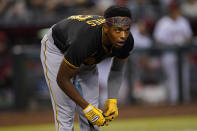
x,y
118,35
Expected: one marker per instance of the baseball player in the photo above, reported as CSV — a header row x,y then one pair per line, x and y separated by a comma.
x,y
69,53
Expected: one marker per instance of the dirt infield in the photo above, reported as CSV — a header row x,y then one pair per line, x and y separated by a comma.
x,y
46,116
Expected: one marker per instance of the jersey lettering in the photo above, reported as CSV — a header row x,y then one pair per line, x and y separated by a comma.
x,y
80,17
95,22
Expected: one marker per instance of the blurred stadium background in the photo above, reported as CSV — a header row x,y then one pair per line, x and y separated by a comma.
x,y
146,90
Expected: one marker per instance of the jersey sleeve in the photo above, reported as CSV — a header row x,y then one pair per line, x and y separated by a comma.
x,y
125,50
80,48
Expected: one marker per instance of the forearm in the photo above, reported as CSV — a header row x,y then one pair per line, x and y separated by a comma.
x,y
64,76
71,91
115,78
114,83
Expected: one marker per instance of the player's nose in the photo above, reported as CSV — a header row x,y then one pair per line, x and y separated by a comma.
x,y
123,36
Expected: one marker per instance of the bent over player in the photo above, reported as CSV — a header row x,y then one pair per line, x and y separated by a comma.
x,y
69,54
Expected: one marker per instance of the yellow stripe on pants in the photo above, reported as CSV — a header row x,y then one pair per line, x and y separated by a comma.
x,y
50,85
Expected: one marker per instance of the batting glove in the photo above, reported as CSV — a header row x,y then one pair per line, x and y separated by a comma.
x,y
111,109
94,115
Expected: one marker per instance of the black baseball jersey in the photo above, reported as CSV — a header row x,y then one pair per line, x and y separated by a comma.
x,y
80,39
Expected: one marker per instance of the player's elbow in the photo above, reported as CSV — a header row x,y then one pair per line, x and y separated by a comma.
x,y
59,80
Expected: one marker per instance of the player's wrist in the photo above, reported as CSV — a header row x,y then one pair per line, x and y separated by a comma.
x,y
88,108
83,104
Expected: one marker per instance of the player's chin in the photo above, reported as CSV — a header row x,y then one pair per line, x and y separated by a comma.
x,y
118,45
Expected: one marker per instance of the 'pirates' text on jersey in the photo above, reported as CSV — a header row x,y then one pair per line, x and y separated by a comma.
x,y
80,39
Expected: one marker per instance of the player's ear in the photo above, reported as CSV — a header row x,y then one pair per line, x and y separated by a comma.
x,y
105,28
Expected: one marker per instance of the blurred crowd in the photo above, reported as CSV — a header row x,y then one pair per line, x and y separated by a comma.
x,y
38,12
28,12
156,23
171,25
33,14
44,13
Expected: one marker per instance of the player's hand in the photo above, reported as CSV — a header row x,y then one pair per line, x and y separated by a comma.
x,y
111,109
94,115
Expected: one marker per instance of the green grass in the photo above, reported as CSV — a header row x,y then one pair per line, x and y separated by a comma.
x,y
179,123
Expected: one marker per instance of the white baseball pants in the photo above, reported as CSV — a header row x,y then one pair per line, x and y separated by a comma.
x,y
63,106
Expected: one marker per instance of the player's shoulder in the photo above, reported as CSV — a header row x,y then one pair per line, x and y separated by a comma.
x,y
164,22
164,19
83,17
183,20
89,20
85,24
